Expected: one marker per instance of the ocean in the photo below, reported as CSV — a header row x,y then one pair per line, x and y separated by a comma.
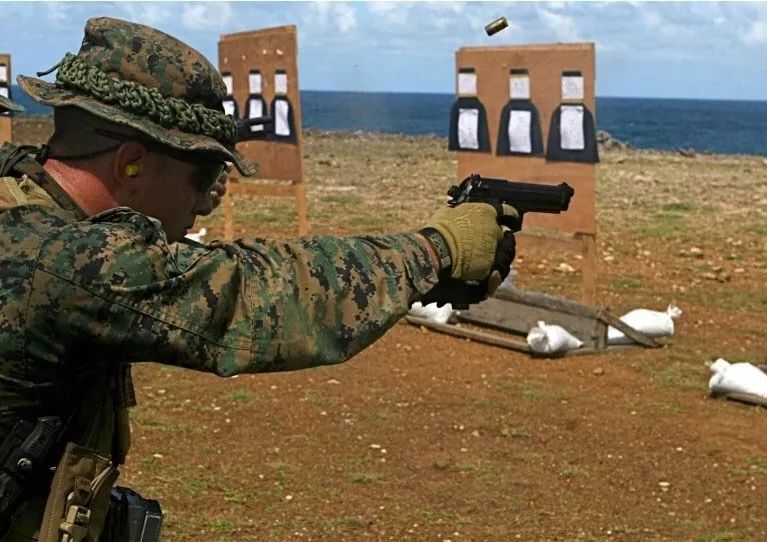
x,y
717,126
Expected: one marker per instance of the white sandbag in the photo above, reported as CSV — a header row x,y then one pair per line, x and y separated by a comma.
x,y
652,323
737,378
432,312
551,339
199,236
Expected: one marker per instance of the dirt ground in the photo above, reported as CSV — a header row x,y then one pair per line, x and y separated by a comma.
x,y
428,437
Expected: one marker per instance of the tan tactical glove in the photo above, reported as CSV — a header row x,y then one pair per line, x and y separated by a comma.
x,y
472,234
470,246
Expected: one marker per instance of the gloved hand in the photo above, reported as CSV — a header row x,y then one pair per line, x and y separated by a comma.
x,y
471,233
471,246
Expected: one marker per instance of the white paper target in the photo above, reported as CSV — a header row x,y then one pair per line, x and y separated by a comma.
x,y
229,84
572,87
468,128
280,83
467,83
519,132
571,128
256,109
519,88
281,125
254,83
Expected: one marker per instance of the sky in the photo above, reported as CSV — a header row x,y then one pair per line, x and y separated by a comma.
x,y
706,50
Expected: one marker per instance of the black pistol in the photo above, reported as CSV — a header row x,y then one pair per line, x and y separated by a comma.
x,y
23,458
524,197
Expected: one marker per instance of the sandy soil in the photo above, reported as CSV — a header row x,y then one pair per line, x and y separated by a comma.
x,y
428,437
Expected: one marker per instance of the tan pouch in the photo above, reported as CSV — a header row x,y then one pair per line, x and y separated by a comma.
x,y
79,496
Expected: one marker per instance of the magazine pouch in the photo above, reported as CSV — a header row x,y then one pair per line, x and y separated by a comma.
x,y
79,496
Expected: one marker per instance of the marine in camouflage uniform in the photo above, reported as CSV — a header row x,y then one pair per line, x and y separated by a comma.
x,y
83,294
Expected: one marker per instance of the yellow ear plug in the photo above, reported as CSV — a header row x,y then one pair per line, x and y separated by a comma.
x,y
131,170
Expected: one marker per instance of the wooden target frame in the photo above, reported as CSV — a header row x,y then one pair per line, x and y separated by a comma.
x,y
266,60
6,121
546,67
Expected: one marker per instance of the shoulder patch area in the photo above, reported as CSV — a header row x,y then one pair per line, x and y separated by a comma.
x,y
150,228
116,247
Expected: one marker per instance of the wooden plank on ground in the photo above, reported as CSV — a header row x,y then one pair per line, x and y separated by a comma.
x,y
503,342
627,330
479,336
520,318
536,299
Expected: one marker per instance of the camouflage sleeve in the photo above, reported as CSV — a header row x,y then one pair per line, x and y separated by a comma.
x,y
114,288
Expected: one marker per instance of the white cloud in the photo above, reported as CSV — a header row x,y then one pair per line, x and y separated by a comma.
x,y
57,13
207,16
146,13
563,27
345,17
371,43
456,8
559,6
390,13
323,17
651,19
677,33
756,34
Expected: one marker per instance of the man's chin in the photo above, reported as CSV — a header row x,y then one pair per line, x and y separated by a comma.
x,y
175,237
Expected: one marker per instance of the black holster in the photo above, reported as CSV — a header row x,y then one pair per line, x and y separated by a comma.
x,y
132,518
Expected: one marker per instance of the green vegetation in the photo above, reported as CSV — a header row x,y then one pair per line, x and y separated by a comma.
x,y
242,396
724,536
362,478
221,526
631,282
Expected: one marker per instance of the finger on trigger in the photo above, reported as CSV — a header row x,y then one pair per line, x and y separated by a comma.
x,y
508,210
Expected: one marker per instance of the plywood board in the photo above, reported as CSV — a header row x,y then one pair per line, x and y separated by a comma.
x,y
6,124
545,65
520,318
267,50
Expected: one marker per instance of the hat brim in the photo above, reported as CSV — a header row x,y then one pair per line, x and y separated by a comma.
x,y
53,95
9,105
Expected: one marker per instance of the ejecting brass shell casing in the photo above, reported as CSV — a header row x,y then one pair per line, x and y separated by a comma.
x,y
496,26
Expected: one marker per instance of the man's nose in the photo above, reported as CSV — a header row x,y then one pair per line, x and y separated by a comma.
x,y
204,205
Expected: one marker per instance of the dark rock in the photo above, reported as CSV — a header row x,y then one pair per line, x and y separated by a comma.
x,y
607,142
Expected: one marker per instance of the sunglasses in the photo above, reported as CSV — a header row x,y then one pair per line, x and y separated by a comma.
x,y
208,170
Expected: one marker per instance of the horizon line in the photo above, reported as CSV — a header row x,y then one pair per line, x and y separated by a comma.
x,y
16,86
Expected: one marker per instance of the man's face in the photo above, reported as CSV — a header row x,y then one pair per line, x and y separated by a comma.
x,y
171,192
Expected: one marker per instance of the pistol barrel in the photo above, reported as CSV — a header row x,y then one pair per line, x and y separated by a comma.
x,y
524,197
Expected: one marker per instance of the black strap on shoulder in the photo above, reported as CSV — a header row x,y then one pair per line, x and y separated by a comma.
x,y
11,154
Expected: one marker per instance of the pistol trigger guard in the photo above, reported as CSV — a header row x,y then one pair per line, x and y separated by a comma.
x,y
511,222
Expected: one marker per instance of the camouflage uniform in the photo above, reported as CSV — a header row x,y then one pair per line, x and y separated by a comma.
x,y
83,297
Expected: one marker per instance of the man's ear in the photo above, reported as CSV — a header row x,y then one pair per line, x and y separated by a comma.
x,y
129,165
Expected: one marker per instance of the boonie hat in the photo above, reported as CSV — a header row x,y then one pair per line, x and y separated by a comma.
x,y
136,76
8,105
